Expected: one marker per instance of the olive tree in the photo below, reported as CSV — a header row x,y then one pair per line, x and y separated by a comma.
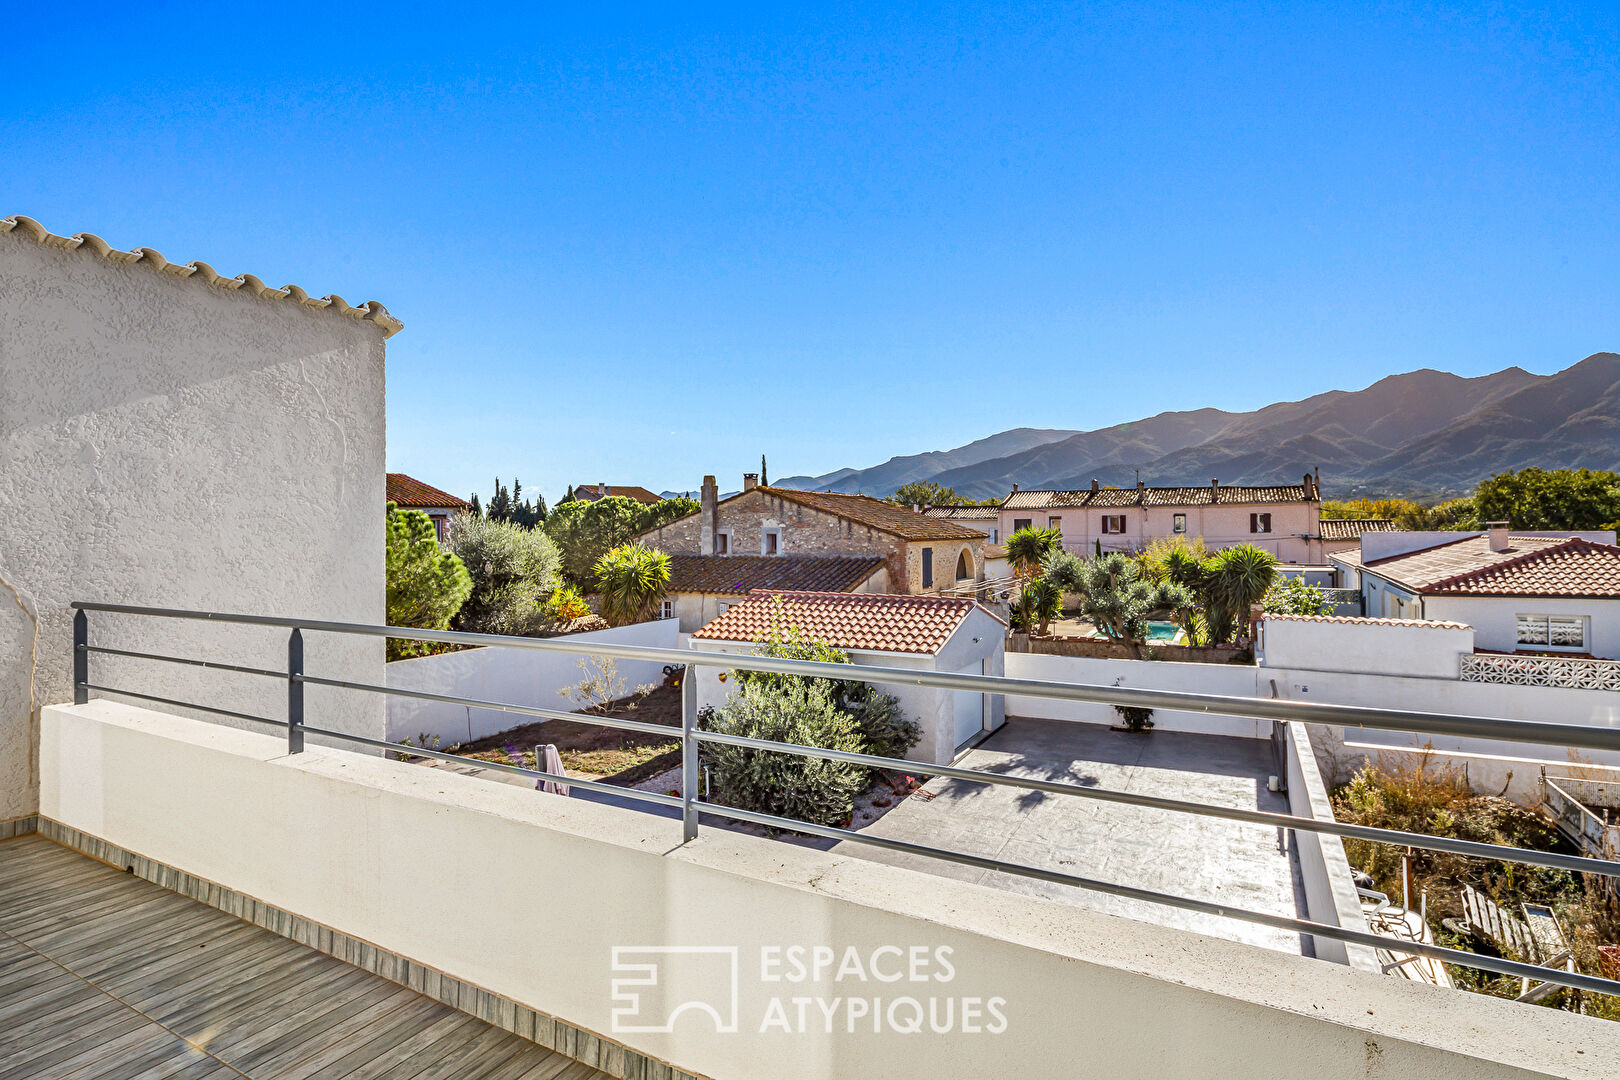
x,y
514,572
1115,594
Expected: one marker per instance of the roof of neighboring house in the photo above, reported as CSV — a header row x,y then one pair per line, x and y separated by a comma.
x,y
408,491
1362,620
1223,495
1352,528
592,492
1531,566
876,622
370,311
995,551
963,513
736,575
877,514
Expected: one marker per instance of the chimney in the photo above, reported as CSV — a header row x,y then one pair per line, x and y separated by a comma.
x,y
1015,488
1310,491
750,481
708,517
1498,532
602,490
1215,489
1093,483
1316,482
1141,485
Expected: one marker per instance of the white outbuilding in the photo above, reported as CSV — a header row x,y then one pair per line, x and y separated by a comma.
x,y
929,633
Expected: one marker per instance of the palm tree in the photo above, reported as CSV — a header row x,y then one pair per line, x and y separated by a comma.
x,y
632,580
1027,547
1039,603
1237,578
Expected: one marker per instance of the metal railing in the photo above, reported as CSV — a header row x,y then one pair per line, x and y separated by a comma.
x,y
693,736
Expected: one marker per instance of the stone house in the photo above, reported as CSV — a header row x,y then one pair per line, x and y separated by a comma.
x,y
920,554
592,492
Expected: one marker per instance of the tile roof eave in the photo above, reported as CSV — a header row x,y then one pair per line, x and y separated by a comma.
x,y
371,311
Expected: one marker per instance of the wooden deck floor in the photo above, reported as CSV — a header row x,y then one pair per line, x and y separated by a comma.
x,y
103,975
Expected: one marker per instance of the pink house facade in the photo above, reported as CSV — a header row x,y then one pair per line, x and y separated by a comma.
x,y
1282,519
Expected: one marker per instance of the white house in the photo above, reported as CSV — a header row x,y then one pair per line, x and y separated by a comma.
x,y
1544,593
931,633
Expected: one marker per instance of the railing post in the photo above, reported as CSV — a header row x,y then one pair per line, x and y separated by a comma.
x,y
689,753
81,657
295,692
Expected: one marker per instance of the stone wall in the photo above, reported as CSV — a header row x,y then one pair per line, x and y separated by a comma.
x,y
805,531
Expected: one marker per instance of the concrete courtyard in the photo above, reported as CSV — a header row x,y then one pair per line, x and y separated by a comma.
x,y
1226,862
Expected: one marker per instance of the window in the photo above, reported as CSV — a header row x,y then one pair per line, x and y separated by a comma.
x,y
1259,523
964,566
770,541
1113,523
995,537
666,609
1553,632
1179,524
928,567
722,541
1022,523
721,607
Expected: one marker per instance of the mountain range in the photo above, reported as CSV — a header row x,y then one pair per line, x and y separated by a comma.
x,y
1423,434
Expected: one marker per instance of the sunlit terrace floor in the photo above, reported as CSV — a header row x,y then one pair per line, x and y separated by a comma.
x,y
104,975
1247,866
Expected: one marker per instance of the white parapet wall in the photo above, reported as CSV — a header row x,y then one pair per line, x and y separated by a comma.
x,y
1394,647
1330,891
513,676
815,964
1224,679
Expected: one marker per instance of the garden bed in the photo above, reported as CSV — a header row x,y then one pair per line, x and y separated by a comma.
x,y
1432,798
594,752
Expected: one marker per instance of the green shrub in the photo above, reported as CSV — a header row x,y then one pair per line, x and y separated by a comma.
x,y
566,604
427,585
786,785
514,573
1292,596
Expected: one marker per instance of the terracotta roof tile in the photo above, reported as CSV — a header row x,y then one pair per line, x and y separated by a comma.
x,y
875,622
1361,620
736,575
408,491
592,492
1155,496
1352,528
883,516
1468,565
371,311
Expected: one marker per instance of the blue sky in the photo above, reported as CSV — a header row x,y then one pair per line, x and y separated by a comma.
x,y
642,244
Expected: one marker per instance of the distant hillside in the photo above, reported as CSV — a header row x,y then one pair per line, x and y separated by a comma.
x,y
1421,433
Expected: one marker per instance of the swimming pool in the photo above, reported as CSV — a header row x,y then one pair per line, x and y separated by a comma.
x,y
1162,633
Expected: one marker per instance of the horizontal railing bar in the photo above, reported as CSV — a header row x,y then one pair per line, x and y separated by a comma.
x,y
1281,922
517,770
213,665
1474,849
1524,731
662,730
187,705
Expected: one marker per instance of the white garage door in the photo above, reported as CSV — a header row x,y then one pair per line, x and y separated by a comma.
x,y
969,709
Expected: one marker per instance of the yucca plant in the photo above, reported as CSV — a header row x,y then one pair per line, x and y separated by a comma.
x,y
632,579
1027,547
1236,578
1039,603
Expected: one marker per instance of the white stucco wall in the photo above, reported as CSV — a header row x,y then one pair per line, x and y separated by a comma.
x,y
513,676
1495,619
1371,647
166,442
1226,679
440,868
